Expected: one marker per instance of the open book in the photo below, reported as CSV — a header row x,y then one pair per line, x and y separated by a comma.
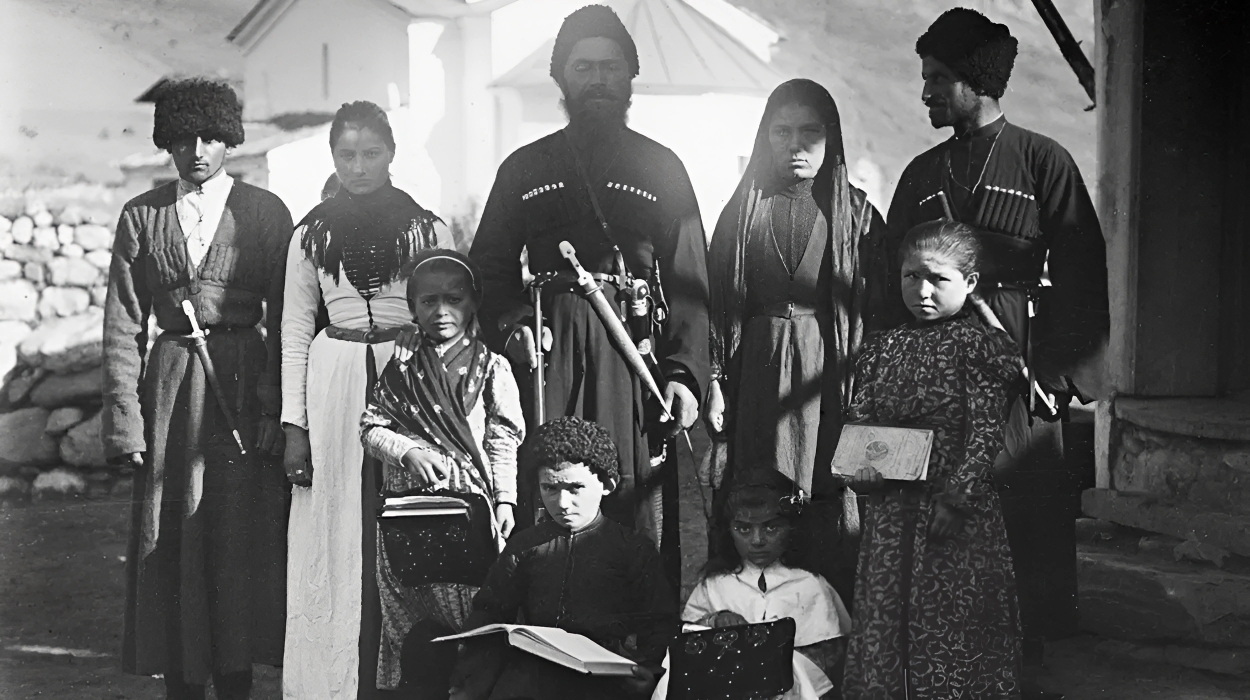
x,y
411,506
553,644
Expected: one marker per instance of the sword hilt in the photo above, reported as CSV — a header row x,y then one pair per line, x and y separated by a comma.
x,y
198,334
189,310
584,279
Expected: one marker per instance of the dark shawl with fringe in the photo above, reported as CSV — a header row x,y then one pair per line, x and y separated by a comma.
x,y
856,247
372,237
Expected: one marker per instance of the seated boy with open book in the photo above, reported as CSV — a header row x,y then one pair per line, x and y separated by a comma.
x,y
579,572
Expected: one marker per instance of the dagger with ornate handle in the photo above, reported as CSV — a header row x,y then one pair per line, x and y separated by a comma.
x,y
617,333
593,291
201,349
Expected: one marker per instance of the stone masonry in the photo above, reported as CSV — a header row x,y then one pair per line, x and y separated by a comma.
x,y
53,281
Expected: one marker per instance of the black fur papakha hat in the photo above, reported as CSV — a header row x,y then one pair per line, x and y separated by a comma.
x,y
584,23
197,107
982,52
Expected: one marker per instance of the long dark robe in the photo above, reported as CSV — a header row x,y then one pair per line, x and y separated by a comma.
x,y
207,554
787,380
936,619
539,200
1026,188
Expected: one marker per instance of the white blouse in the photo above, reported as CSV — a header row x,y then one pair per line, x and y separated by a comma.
x,y
306,286
817,609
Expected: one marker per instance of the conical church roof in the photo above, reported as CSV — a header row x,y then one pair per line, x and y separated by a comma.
x,y
680,52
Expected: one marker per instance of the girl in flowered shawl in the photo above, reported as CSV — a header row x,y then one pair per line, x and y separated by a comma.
x,y
448,416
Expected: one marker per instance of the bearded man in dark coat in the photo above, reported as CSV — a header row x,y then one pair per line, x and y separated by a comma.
x,y
206,563
1044,275
626,205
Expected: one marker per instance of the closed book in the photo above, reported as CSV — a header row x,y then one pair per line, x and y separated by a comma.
x,y
416,506
740,662
900,454
567,649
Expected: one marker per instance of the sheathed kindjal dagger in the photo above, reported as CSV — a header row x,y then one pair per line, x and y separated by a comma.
x,y
593,291
201,349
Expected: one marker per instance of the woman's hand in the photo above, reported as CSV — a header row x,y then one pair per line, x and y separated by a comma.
x,y
506,519
426,468
406,342
714,412
947,522
867,480
297,457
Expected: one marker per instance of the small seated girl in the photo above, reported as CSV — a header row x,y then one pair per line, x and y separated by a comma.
x,y
445,415
935,601
754,580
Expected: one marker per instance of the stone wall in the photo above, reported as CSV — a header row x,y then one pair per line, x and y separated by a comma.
x,y
1200,472
53,276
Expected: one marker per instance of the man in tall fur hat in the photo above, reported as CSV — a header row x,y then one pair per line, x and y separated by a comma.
x,y
206,561
627,206
1035,218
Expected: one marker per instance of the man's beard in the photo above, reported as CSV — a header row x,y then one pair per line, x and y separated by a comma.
x,y
596,110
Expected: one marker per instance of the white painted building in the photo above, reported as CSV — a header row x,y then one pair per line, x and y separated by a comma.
x,y
466,83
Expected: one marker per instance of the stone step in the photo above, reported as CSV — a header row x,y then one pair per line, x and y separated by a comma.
x,y
1140,599
1230,531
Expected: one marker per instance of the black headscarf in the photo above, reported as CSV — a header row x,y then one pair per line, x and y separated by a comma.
x,y
853,253
372,237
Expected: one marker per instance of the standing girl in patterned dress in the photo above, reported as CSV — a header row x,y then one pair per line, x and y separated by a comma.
x,y
935,612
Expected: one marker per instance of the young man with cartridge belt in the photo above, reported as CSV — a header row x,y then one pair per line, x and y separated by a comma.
x,y
1044,275
626,206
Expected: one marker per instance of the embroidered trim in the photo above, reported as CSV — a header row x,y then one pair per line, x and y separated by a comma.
x,y
539,190
633,190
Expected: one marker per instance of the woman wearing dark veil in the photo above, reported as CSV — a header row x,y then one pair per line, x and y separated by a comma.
x,y
797,274
347,254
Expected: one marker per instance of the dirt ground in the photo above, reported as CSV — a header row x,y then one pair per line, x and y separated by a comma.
x,y
62,590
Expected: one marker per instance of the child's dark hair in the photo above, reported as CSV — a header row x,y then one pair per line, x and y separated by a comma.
x,y
754,489
950,239
363,114
441,260
571,440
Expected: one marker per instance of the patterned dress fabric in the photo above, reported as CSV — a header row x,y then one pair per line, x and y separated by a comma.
x,y
937,619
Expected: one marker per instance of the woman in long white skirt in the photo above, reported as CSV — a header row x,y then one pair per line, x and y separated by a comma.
x,y
347,255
